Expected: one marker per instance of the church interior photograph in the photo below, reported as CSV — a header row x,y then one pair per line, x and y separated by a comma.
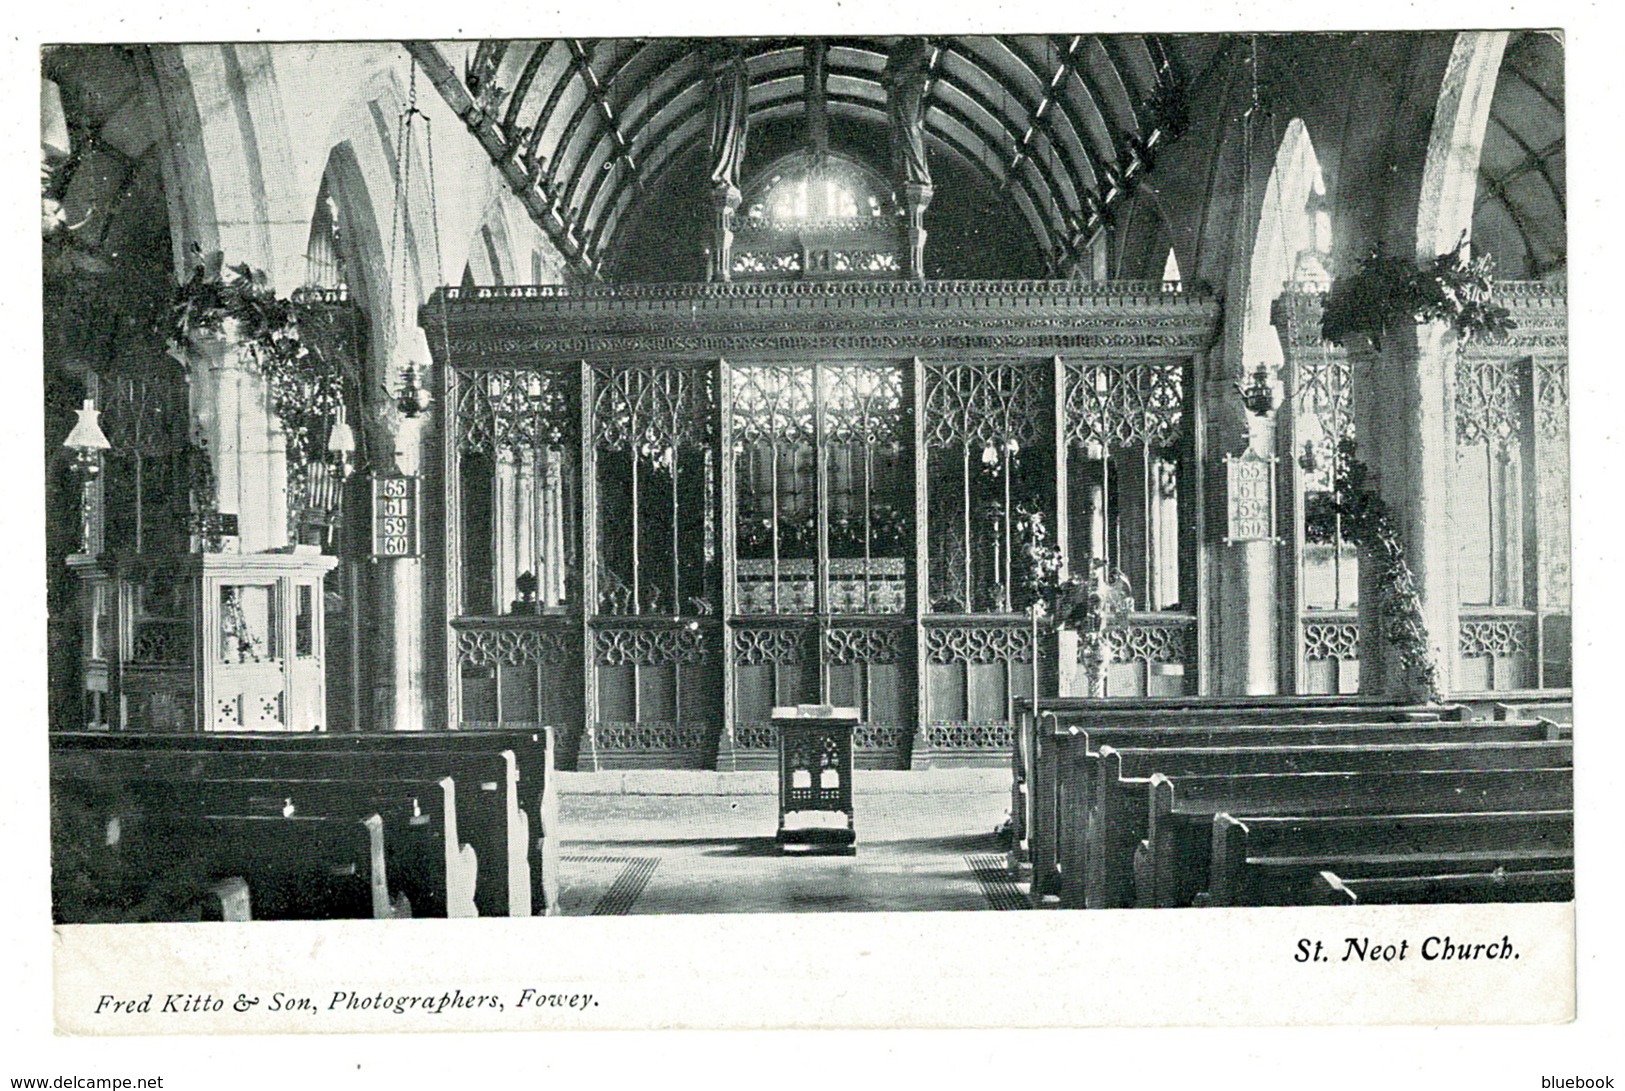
x,y
806,474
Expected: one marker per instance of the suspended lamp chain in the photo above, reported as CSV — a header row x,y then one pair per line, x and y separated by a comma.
x,y
523,177
412,399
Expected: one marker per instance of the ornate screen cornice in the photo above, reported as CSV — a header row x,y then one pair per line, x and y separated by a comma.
x,y
525,326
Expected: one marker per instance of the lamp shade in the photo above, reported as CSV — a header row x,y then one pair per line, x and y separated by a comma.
x,y
87,433
341,440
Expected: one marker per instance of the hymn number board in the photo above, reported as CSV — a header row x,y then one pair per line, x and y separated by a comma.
x,y
394,515
1251,494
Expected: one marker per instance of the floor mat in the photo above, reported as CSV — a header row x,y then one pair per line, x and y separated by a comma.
x,y
604,886
993,877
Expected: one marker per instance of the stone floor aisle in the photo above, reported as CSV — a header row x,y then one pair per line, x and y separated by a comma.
x,y
670,842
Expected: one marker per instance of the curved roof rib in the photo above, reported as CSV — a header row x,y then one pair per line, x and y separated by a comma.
x,y
587,128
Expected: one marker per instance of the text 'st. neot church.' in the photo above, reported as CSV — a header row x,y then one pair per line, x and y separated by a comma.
x,y
696,475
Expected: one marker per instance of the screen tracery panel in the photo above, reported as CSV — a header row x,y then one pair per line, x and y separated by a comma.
x,y
654,431
1129,475
990,463
519,477
824,502
1125,427
823,494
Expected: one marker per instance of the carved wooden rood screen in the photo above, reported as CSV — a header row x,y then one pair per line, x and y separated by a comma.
x,y
673,507
1510,502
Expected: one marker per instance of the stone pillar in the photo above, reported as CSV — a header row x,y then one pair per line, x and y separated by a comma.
x,y
916,199
1404,418
399,693
245,443
1242,575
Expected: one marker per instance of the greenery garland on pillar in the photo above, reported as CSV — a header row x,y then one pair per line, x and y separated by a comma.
x,y
1369,523
1383,294
305,386
1388,292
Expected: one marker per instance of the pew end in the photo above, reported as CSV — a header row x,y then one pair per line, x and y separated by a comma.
x,y
549,838
1328,889
1228,858
229,897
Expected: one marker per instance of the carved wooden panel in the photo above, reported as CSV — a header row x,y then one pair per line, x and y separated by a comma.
x,y
653,408
982,403
513,409
867,645
649,647
1338,640
1489,402
1151,642
1124,403
490,646
979,644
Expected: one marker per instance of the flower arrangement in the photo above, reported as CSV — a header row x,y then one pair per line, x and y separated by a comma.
x,y
1089,602
1086,603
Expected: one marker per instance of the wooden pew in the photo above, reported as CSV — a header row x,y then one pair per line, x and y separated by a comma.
x,y
1057,720
96,879
488,818
1172,864
425,857
1558,712
1116,822
1483,704
1275,860
296,868
1033,754
423,851
1076,754
1078,764
300,867
1556,885
232,895
533,852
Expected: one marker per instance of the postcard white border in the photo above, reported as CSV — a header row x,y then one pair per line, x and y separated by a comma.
x,y
698,956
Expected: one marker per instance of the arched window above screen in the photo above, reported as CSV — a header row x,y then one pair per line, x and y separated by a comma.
x,y
811,217
801,189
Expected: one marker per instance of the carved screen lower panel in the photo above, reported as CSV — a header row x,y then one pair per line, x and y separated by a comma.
x,y
1152,657
973,673
515,676
863,666
1497,652
1331,655
659,694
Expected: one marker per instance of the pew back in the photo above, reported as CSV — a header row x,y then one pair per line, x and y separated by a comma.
x,y
1274,861
535,848
488,816
1077,822
1174,862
